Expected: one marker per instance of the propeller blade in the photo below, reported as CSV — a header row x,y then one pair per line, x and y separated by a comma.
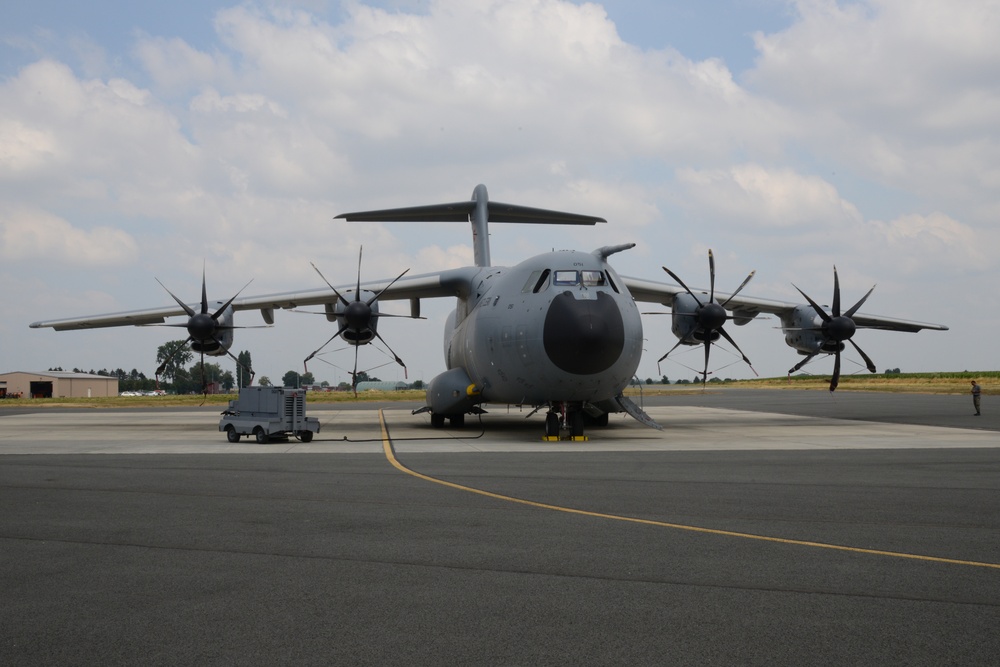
x,y
809,357
732,342
854,308
161,367
818,308
229,303
836,293
835,380
357,291
375,298
398,360
704,373
669,351
329,340
354,374
740,288
681,283
711,275
204,385
187,309
339,295
868,362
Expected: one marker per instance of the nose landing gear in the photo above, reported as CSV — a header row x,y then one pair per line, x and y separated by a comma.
x,y
564,416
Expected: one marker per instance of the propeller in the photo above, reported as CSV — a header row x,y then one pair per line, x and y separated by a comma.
x,y
358,318
836,327
710,315
203,329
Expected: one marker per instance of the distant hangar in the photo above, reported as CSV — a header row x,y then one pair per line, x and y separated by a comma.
x,y
57,384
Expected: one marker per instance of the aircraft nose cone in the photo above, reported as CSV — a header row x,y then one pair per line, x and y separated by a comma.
x,y
584,336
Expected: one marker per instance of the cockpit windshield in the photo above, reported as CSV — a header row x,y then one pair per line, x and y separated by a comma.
x,y
585,278
567,278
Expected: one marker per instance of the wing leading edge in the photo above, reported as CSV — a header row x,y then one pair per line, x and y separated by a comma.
x,y
747,306
430,285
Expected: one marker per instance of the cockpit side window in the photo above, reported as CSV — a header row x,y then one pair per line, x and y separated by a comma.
x,y
611,281
592,278
541,283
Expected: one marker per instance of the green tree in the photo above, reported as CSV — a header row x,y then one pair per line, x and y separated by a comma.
x,y
290,379
306,379
264,381
244,369
173,355
205,374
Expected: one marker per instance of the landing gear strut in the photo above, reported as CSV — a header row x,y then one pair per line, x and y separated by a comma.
x,y
562,415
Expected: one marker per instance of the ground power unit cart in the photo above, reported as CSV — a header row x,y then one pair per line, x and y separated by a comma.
x,y
269,413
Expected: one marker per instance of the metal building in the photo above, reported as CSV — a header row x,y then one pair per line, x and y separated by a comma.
x,y
58,384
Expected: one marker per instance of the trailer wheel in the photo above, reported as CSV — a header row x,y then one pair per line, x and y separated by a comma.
x,y
261,435
231,434
306,436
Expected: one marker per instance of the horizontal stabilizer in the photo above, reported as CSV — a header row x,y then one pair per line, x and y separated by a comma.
x,y
461,212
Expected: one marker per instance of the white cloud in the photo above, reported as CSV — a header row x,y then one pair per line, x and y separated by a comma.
x,y
866,131
30,236
752,196
903,92
176,66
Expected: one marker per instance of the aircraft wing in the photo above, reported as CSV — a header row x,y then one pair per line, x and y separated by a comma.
x,y
747,306
441,284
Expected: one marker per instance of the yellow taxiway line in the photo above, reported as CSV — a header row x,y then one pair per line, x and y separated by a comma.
x,y
390,455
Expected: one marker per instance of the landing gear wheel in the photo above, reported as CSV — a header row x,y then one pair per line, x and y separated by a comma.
x,y
576,424
457,421
261,435
437,421
306,436
231,434
552,425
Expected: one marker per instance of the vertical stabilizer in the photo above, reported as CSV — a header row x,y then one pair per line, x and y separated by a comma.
x,y
480,226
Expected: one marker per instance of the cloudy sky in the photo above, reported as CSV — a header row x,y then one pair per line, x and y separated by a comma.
x,y
147,140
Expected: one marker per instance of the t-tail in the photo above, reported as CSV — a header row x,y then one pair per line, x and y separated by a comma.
x,y
479,211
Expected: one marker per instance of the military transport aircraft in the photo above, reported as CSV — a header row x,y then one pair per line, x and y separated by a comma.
x,y
558,332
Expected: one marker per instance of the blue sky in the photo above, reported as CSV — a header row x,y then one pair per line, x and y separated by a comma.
x,y
151,139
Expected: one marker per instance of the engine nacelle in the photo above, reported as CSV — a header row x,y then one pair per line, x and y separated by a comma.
x,y
804,332
685,323
358,319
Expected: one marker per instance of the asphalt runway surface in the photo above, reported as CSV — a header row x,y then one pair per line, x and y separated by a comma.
x,y
758,528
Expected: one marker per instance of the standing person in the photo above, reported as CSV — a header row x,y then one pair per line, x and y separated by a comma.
x,y
975,396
